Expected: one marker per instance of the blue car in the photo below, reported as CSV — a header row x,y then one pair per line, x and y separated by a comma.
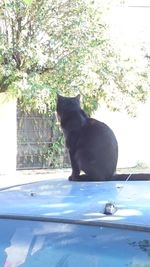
x,y
58,223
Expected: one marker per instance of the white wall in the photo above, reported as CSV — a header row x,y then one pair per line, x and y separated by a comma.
x,y
133,134
8,141
129,29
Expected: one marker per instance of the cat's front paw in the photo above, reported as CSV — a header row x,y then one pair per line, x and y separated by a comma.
x,y
73,178
70,178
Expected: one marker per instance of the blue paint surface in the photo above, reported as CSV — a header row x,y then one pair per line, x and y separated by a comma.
x,y
36,244
80,200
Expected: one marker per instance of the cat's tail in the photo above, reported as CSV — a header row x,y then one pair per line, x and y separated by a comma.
x,y
131,177
115,177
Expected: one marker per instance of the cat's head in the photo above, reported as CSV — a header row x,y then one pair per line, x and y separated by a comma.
x,y
67,104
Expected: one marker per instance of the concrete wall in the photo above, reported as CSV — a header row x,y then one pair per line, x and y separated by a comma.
x,y
133,134
8,140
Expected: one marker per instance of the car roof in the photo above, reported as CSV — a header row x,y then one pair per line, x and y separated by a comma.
x,y
80,202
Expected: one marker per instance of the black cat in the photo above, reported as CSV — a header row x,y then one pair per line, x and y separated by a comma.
x,y
92,145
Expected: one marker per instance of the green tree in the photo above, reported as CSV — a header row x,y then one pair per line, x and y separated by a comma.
x,y
49,46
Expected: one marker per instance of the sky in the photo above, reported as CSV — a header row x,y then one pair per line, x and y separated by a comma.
x,y
130,25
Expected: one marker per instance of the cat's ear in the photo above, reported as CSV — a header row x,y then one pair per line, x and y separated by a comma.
x,y
59,97
78,97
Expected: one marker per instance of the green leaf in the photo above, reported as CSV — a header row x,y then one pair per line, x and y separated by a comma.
x,y
28,2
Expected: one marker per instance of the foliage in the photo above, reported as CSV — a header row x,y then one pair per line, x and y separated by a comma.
x,y
49,46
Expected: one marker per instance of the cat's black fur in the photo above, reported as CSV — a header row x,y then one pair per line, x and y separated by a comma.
x,y
92,145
